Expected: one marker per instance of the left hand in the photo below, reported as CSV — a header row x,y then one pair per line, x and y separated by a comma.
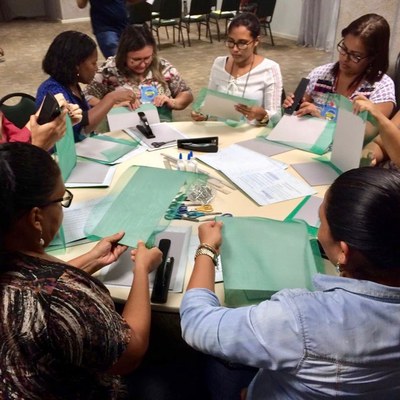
x,y
251,112
307,108
107,250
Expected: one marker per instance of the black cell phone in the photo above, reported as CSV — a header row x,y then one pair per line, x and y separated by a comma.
x,y
50,110
298,96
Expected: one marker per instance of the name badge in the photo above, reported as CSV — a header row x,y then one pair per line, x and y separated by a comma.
x,y
148,93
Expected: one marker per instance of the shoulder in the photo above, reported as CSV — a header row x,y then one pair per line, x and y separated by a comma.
x,y
322,70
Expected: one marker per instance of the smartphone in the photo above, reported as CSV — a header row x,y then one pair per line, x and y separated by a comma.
x,y
298,96
50,109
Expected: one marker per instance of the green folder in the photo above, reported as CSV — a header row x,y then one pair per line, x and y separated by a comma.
x,y
261,256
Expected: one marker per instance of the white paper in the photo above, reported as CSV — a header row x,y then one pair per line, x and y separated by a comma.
x,y
316,173
310,211
348,141
90,174
260,177
129,119
164,132
292,129
220,107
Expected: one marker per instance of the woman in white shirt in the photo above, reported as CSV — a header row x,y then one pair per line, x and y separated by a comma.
x,y
247,74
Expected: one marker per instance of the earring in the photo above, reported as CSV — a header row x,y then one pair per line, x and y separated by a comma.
x,y
337,265
41,240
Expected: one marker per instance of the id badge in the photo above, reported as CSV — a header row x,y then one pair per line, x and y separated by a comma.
x,y
148,93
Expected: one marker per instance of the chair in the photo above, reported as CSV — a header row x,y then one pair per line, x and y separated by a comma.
x,y
18,113
169,14
265,12
140,13
199,13
228,10
396,79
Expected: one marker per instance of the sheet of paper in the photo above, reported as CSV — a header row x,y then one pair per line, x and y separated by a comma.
x,y
348,140
298,130
164,132
309,211
90,174
120,118
261,178
265,147
316,173
120,273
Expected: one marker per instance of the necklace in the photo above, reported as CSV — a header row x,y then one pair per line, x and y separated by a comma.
x,y
247,78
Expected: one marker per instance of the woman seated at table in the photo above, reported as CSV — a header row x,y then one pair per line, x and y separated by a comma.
x,y
340,340
70,60
64,338
361,69
385,148
247,74
150,78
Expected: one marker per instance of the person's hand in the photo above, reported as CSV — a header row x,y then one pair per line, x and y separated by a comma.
x,y
288,102
251,112
307,108
197,116
45,136
149,259
211,233
361,103
107,250
121,95
163,99
74,112
368,158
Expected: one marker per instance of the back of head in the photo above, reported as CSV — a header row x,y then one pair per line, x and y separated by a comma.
x,y
133,38
28,176
66,52
363,210
374,31
249,21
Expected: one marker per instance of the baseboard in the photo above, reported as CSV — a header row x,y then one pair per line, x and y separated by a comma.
x,y
73,20
284,35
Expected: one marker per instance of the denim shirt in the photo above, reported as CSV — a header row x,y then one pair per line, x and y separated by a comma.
x,y
343,339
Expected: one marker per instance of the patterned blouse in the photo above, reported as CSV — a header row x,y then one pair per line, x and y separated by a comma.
x,y
109,78
59,332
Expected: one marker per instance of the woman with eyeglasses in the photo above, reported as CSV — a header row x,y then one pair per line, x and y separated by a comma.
x,y
342,339
60,335
137,67
361,69
247,74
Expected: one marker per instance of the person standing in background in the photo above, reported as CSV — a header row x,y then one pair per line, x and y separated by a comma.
x,y
109,18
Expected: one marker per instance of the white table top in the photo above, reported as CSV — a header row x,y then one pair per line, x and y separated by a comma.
x,y
235,202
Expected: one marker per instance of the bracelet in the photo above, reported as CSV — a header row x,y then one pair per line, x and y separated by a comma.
x,y
209,247
205,251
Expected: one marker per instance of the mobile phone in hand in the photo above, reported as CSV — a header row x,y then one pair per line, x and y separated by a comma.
x,y
50,110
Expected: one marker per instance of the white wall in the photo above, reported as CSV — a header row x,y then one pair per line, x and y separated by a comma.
x,y
286,19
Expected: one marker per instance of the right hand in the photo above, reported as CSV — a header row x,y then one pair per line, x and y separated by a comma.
x,y
196,116
46,135
288,101
211,233
121,95
150,259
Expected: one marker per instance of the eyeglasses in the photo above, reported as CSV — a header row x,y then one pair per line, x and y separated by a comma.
x,y
65,201
137,61
342,49
241,44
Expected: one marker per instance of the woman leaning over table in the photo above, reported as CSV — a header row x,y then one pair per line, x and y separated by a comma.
x,y
60,335
340,340
137,67
360,70
247,74
71,60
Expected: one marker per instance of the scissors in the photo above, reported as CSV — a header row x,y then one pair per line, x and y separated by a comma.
x,y
182,212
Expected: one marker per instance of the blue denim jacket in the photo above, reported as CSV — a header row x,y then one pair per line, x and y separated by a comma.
x,y
343,339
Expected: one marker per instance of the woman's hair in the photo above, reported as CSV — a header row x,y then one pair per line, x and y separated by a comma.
x,y
249,21
66,52
135,38
28,177
374,32
363,209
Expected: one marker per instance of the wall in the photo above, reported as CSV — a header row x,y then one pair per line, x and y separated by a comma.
x,y
286,19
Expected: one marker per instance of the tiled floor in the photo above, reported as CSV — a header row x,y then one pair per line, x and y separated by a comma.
x,y
25,42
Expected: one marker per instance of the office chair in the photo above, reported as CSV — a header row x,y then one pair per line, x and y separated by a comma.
x,y
228,10
199,13
265,12
140,13
169,14
18,113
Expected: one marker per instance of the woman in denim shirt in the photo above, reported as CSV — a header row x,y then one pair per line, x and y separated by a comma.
x,y
340,340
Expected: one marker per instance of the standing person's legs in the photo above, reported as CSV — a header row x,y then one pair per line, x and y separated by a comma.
x,y
108,42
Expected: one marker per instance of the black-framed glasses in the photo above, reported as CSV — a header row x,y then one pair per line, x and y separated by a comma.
x,y
342,49
240,44
65,201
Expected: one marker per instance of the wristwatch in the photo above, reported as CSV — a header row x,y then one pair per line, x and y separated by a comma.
x,y
201,250
265,119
